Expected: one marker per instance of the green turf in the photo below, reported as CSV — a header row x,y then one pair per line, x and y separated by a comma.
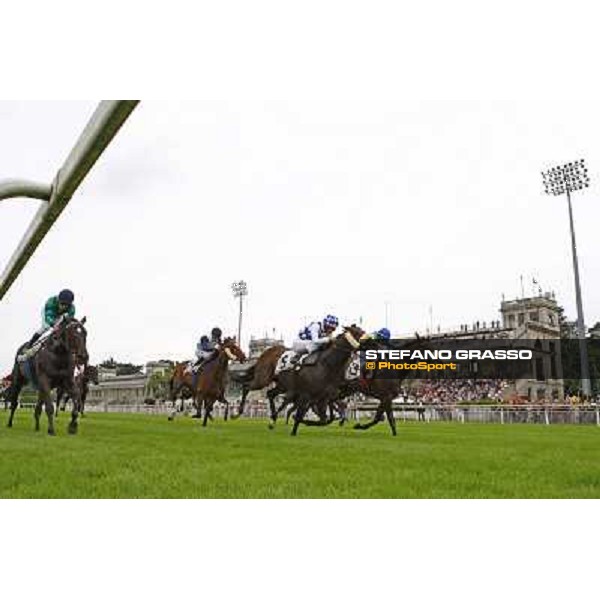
x,y
136,456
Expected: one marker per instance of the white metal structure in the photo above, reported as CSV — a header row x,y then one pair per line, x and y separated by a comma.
x,y
97,135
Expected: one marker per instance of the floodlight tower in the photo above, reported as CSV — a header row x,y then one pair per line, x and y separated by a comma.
x,y
560,180
240,289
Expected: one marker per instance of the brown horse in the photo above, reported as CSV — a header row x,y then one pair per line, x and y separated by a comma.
x,y
209,385
258,375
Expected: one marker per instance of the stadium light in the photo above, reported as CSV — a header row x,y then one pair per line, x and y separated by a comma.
x,y
240,289
565,179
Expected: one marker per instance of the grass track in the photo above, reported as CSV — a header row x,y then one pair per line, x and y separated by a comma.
x,y
136,456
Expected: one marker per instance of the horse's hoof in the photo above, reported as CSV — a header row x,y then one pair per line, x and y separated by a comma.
x,y
51,432
9,425
271,425
170,418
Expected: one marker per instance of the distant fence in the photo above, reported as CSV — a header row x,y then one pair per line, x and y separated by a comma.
x,y
543,414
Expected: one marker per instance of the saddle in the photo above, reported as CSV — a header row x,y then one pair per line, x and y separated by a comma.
x,y
311,359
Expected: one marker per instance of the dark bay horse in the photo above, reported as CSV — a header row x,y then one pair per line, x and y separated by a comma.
x,y
209,385
60,362
384,389
90,375
316,386
258,375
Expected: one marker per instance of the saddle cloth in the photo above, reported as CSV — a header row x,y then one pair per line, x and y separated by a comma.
x,y
289,360
353,369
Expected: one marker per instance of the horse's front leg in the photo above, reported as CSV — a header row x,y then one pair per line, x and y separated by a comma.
x,y
379,416
273,410
389,412
320,410
208,406
224,401
82,401
76,400
299,416
287,400
45,399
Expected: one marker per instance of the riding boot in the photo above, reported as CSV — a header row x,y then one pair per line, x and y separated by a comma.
x,y
34,339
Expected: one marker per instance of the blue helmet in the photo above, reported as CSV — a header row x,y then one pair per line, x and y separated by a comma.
x,y
331,322
384,333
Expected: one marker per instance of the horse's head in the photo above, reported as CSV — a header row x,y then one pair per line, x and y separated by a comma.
x,y
351,336
233,351
74,336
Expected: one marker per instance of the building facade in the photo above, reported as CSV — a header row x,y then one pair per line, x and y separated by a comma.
x,y
536,318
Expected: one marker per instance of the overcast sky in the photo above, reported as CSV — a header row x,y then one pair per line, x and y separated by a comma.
x,y
352,191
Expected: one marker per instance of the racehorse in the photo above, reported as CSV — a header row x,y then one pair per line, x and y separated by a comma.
x,y
381,388
90,375
60,362
181,387
316,385
258,375
209,385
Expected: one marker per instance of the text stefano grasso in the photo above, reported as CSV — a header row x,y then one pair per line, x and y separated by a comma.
x,y
496,354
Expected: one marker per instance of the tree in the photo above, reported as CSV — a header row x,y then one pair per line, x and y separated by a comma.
x,y
158,385
121,368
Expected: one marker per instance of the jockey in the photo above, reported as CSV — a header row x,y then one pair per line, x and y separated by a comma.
x,y
55,308
381,334
315,336
206,349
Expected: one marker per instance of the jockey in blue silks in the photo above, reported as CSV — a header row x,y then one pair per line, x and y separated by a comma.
x,y
315,335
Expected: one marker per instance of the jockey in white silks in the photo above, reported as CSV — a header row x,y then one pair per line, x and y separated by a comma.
x,y
315,336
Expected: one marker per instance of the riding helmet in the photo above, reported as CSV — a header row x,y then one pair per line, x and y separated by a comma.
x,y
216,333
66,297
331,321
384,333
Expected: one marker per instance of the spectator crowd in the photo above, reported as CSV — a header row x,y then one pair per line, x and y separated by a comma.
x,y
457,390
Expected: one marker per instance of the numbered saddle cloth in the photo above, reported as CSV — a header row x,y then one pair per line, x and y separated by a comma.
x,y
289,360
353,369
